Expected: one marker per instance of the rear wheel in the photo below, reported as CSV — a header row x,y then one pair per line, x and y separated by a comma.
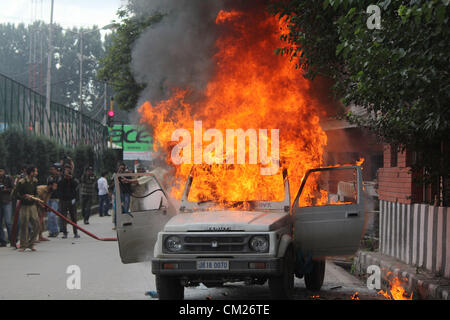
x,y
282,287
169,288
314,279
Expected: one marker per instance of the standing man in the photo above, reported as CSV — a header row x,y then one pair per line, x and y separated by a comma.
x,y
67,192
28,211
103,195
6,186
88,181
53,202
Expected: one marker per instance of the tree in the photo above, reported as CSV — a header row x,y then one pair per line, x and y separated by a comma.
x,y
21,148
83,158
116,66
14,51
24,52
110,159
398,74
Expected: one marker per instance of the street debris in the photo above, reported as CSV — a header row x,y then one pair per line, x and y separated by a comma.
x,y
337,287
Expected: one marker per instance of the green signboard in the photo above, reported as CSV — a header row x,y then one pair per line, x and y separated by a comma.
x,y
134,140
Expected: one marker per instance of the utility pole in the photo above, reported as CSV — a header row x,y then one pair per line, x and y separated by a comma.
x,y
105,104
81,84
49,75
111,109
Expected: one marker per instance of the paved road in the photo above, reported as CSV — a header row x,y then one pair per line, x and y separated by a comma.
x,y
42,274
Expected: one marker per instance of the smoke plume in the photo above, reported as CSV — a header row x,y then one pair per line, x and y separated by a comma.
x,y
178,51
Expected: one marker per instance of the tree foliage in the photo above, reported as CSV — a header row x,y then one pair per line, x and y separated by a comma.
x,y
23,57
399,74
116,66
110,160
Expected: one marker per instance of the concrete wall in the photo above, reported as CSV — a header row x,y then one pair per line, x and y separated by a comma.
x,y
417,234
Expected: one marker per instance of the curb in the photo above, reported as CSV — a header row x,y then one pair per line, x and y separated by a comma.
x,y
423,284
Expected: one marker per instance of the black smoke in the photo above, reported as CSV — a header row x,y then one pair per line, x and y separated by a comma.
x,y
178,51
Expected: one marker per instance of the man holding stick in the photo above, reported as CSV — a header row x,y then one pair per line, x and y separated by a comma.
x,y
26,188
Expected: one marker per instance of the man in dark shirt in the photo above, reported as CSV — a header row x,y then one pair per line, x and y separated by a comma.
x,y
55,177
28,211
67,193
87,193
6,186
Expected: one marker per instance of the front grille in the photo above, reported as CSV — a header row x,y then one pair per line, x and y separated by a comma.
x,y
215,244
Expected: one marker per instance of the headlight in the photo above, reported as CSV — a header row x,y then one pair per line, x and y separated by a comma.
x,y
259,244
174,244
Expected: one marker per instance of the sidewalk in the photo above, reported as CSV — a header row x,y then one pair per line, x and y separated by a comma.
x,y
423,284
43,274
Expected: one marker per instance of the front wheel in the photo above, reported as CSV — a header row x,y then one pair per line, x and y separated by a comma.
x,y
314,279
169,288
282,287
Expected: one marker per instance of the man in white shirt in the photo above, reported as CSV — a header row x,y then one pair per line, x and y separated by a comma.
x,y
103,195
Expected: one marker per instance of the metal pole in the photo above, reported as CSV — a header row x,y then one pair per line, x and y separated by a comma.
x,y
30,32
49,73
105,105
81,83
112,109
40,63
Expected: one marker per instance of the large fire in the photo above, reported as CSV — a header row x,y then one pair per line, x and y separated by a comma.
x,y
251,88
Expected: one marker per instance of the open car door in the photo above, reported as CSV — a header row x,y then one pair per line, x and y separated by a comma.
x,y
142,208
328,212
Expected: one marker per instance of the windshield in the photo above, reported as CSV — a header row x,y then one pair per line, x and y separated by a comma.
x,y
234,183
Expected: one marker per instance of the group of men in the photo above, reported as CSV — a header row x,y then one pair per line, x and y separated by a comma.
x,y
60,193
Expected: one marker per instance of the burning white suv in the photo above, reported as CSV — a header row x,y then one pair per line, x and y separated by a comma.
x,y
252,241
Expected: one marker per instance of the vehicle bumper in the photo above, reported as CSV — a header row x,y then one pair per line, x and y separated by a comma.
x,y
237,267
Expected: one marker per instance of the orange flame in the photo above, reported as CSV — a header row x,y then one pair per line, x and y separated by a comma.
x,y
360,162
225,16
396,291
251,89
355,296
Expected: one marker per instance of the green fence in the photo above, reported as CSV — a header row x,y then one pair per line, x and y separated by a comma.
x,y
21,107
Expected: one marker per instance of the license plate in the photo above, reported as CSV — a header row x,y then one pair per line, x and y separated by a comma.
x,y
213,265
